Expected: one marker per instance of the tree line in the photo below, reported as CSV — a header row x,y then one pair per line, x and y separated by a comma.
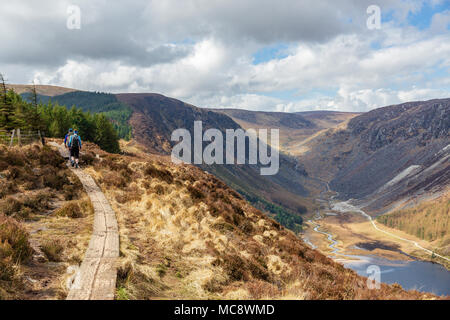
x,y
285,217
95,102
428,220
54,120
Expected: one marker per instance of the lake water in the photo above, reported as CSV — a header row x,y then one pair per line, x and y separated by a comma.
x,y
419,275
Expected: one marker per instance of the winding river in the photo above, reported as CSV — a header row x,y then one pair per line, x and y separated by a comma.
x,y
418,275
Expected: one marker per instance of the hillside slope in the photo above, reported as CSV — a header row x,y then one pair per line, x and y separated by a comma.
x,y
154,119
429,220
185,234
386,154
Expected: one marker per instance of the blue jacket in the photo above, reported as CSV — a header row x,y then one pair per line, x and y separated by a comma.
x,y
66,138
71,139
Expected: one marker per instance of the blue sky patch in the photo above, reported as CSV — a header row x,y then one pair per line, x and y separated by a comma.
x,y
278,51
422,18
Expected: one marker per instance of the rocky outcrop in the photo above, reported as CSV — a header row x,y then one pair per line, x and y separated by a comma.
x,y
378,145
422,121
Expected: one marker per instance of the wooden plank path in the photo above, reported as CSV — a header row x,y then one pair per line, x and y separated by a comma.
x,y
98,272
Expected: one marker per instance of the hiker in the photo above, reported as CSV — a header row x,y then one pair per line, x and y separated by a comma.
x,y
75,147
66,143
66,138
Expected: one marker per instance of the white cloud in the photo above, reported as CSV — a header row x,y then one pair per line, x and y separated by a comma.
x,y
440,22
201,52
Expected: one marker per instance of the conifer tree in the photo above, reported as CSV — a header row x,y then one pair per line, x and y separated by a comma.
x,y
34,96
7,109
106,136
54,119
33,119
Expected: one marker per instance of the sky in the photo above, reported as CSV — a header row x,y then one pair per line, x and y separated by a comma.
x,y
286,55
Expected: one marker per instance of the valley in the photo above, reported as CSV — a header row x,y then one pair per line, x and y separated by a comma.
x,y
346,232
346,185
296,129
220,158
367,194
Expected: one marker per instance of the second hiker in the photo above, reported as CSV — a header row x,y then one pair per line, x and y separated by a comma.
x,y
66,141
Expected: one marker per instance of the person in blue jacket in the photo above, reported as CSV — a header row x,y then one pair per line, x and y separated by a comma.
x,y
66,141
66,138
75,147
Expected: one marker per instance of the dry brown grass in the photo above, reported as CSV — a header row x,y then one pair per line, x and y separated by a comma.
x,y
52,250
23,206
185,234
34,221
13,240
76,209
14,249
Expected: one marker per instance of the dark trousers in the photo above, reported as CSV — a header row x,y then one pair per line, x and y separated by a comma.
x,y
75,152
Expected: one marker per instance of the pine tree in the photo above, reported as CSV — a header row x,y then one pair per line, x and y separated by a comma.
x,y
3,89
54,119
32,118
106,136
7,109
34,96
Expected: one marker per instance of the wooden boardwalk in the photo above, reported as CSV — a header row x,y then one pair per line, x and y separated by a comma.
x,y
98,272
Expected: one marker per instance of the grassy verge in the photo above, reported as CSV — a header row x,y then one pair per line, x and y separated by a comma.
x,y
45,223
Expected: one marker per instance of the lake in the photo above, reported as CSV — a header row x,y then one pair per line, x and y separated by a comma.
x,y
422,276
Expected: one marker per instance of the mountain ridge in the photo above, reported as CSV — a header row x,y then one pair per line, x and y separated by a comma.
x,y
409,134
156,116
344,148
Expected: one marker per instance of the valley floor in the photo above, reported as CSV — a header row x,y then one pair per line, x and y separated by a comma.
x,y
356,245
345,234
356,235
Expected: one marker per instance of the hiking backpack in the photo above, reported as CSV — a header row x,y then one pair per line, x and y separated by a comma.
x,y
75,142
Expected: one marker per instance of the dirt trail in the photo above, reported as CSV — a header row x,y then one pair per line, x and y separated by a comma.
x,y
96,278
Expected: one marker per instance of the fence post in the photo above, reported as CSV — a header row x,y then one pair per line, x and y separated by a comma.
x,y
40,138
12,138
18,137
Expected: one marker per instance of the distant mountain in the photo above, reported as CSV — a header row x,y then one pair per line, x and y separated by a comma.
x,y
327,119
155,117
40,89
386,155
268,119
295,128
